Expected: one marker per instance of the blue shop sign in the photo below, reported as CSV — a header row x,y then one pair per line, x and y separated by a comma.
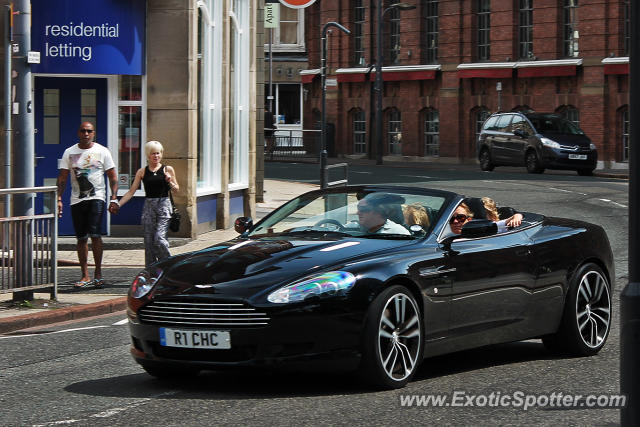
x,y
88,37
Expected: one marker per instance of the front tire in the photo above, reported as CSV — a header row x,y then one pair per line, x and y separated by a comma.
x,y
393,339
485,160
533,163
586,319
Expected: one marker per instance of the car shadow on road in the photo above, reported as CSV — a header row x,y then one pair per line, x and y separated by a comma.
x,y
255,383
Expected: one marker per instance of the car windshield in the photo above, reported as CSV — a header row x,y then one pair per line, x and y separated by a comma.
x,y
355,213
555,124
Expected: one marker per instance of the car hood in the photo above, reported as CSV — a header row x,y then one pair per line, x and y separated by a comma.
x,y
582,141
242,267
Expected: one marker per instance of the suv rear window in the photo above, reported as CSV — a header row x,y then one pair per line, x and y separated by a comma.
x,y
503,123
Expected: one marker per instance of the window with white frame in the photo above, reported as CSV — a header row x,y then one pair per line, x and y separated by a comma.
x,y
357,33
430,17
359,132
570,113
131,154
525,30
239,61
484,30
570,28
625,134
395,132
210,99
431,133
481,115
289,35
626,45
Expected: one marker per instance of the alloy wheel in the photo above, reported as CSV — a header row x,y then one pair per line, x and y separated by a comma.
x,y
593,309
399,337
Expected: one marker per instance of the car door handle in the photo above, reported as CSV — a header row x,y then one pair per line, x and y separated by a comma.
x,y
434,271
523,252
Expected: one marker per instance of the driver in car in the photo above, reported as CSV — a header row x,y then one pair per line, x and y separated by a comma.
x,y
374,211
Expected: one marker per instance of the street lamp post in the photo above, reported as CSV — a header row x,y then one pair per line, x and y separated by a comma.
x,y
323,123
379,58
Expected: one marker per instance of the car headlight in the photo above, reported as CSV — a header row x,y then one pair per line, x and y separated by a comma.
x,y
327,284
592,146
549,143
144,282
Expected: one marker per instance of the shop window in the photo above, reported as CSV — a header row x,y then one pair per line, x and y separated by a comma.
x,y
130,128
394,132
431,133
483,19
239,64
210,96
430,18
51,110
525,30
359,132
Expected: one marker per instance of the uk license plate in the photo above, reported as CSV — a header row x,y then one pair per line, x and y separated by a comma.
x,y
191,338
577,156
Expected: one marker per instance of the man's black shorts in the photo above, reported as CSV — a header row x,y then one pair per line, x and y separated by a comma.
x,y
87,218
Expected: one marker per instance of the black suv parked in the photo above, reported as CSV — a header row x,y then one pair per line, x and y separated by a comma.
x,y
537,140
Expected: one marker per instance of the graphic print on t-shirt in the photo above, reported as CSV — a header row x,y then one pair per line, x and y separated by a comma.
x,y
85,167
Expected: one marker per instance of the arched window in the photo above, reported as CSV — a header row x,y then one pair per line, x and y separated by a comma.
x,y
394,131
431,132
570,113
480,115
359,131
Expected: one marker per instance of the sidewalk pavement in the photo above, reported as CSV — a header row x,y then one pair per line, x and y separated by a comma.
x,y
120,264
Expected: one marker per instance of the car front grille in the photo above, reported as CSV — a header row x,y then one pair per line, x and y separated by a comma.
x,y
202,314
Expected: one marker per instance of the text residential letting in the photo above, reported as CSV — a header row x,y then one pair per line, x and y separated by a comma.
x,y
72,50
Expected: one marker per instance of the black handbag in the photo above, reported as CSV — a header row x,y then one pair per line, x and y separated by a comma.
x,y
174,222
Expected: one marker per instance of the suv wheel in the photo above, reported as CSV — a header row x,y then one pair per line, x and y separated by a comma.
x,y
533,163
485,160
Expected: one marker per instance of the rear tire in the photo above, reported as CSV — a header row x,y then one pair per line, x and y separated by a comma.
x,y
533,163
586,319
485,160
393,339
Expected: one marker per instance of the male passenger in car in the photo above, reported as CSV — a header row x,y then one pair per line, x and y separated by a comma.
x,y
374,212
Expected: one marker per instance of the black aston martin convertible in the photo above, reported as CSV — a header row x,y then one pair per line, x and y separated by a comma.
x,y
314,282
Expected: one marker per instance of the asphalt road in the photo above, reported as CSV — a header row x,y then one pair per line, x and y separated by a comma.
x,y
67,374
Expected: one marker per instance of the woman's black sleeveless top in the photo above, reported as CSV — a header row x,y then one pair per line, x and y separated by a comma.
x,y
155,183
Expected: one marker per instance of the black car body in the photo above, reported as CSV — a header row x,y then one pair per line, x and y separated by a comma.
x,y
537,141
307,284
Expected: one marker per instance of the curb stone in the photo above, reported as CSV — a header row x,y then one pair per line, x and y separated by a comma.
x,y
30,320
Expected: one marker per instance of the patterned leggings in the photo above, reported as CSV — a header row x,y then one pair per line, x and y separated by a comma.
x,y
155,222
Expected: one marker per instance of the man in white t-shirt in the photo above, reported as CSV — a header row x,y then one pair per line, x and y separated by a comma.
x,y
88,161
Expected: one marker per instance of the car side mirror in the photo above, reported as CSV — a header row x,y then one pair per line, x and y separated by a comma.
x,y
521,133
479,228
242,224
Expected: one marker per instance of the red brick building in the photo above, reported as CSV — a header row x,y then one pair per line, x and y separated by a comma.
x,y
444,62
